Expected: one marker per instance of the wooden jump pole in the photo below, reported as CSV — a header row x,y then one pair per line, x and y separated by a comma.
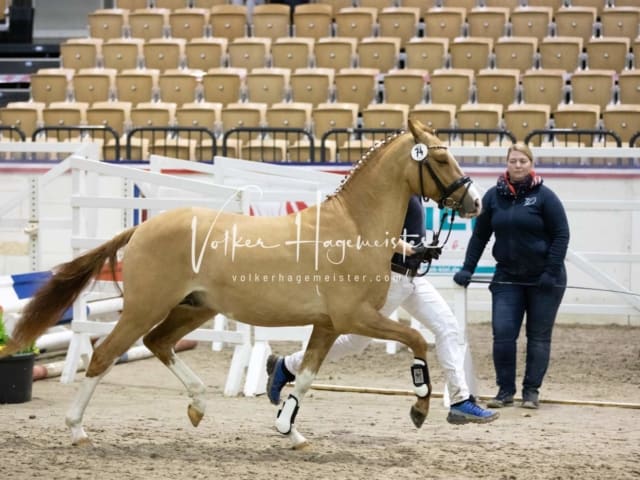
x,y
395,391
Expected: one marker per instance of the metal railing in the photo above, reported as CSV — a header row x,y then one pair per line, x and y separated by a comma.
x,y
186,143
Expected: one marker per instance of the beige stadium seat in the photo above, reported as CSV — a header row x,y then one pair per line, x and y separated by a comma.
x,y
153,114
620,22
516,52
472,53
335,115
381,53
435,115
224,85
426,53
422,5
576,22
610,53
171,4
116,115
180,86
292,52
576,116
543,86
335,52
446,22
313,20
511,5
132,4
61,114
624,120
561,53
289,115
243,115
122,53
406,86
357,85
466,5
474,116
336,5
271,20
385,115
522,118
148,23
488,22
205,53
94,84
593,86
497,86
189,23
265,150
25,116
200,114
249,53
164,53
451,86
531,22
108,23
629,85
356,22
51,85
399,22
312,85
77,53
554,5
597,4
268,85
137,85
228,21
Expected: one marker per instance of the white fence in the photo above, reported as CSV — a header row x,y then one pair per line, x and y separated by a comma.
x,y
103,200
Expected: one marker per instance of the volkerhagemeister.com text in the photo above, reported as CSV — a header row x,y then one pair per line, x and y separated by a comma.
x,y
300,278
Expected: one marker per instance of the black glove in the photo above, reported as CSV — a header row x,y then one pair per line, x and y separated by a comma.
x,y
546,281
462,278
427,253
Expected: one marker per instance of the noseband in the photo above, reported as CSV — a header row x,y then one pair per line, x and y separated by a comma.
x,y
445,199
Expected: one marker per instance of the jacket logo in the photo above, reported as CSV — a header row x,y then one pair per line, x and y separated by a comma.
x,y
529,201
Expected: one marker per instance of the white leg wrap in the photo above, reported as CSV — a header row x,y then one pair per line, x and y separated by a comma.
x,y
287,415
420,376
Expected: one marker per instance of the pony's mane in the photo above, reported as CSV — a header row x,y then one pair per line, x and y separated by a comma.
x,y
365,159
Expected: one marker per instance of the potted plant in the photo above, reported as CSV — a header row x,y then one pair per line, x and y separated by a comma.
x,y
16,371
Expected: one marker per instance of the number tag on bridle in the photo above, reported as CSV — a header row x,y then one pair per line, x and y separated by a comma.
x,y
419,152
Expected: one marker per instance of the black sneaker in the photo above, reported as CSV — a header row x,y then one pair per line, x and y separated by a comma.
x,y
501,400
530,400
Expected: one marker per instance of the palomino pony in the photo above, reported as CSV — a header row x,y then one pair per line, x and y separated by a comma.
x,y
327,266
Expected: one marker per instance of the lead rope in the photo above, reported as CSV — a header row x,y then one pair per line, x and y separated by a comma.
x,y
436,238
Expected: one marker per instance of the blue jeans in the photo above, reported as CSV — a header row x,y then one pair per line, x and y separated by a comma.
x,y
510,303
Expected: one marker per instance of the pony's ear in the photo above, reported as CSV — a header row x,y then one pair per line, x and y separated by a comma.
x,y
419,131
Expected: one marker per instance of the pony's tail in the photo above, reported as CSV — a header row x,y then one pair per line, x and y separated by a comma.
x,y
54,297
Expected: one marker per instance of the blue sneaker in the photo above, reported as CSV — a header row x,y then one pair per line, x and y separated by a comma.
x,y
470,412
279,376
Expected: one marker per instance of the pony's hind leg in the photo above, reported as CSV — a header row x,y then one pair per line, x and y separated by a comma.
x,y
320,342
128,329
161,341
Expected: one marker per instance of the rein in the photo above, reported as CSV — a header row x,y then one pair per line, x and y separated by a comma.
x,y
574,287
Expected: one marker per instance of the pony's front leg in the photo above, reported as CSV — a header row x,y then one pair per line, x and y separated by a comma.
x,y
320,342
371,323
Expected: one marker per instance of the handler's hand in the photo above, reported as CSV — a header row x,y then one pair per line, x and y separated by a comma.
x,y
427,253
462,278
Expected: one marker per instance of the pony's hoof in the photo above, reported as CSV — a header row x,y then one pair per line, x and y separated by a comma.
x,y
82,443
302,446
417,417
194,415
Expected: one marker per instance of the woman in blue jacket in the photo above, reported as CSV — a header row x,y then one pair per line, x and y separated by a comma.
x,y
531,239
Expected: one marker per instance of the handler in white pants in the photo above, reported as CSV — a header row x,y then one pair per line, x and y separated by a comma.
x,y
421,300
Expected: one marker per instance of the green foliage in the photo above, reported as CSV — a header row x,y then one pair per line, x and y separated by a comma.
x,y
4,338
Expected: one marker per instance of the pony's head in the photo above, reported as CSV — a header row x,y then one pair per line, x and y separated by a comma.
x,y
449,186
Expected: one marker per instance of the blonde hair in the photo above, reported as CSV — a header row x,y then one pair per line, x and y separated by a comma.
x,y
522,148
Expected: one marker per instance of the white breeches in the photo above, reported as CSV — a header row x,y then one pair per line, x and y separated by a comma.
x,y
423,302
